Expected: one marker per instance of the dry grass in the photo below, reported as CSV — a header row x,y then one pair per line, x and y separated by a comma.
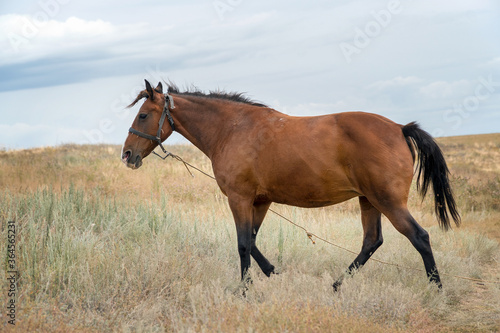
x,y
104,248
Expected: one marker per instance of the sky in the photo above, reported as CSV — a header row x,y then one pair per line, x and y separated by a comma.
x,y
68,68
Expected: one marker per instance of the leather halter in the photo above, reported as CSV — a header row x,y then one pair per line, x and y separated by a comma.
x,y
169,104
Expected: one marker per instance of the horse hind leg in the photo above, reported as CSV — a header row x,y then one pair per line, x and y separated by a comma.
x,y
404,222
372,238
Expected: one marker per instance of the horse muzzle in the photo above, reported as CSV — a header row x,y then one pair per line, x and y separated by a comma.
x,y
131,160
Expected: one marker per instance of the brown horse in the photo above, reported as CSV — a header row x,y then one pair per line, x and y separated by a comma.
x,y
260,156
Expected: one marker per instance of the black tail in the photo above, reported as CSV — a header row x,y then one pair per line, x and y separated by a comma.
x,y
432,168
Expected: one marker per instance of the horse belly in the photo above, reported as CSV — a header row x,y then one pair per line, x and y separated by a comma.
x,y
309,190
310,202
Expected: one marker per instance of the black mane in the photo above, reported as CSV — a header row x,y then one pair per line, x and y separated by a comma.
x,y
230,96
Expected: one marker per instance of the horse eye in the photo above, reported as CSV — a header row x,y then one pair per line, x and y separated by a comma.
x,y
143,116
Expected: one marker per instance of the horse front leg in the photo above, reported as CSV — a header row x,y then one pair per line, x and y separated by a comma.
x,y
243,214
259,212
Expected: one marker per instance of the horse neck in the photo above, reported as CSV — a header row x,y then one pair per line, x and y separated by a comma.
x,y
201,120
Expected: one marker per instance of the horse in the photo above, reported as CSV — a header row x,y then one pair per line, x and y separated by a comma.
x,y
260,156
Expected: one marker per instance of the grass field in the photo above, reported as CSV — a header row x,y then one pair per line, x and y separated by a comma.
x,y
100,247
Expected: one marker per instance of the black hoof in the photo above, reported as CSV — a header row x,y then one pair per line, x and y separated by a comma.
x,y
336,286
269,271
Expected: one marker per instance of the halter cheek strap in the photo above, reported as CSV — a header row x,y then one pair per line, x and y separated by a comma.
x,y
169,104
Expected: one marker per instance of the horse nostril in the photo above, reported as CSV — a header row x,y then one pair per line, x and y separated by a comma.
x,y
126,156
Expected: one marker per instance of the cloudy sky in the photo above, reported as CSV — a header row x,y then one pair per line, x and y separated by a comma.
x,y
69,67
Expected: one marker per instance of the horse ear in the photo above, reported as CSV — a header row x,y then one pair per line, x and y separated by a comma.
x,y
149,89
159,88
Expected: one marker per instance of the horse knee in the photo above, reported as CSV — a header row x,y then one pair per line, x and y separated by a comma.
x,y
244,250
371,245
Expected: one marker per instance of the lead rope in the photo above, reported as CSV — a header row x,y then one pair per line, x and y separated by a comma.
x,y
311,235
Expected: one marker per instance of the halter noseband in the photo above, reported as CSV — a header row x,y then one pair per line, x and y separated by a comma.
x,y
169,101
